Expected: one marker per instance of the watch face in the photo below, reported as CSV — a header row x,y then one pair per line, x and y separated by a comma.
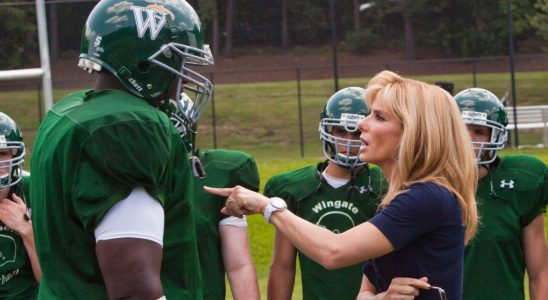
x,y
278,202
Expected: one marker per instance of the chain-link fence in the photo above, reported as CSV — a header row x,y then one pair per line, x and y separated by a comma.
x,y
276,111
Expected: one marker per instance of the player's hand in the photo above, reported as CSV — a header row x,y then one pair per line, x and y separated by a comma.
x,y
12,214
405,288
240,201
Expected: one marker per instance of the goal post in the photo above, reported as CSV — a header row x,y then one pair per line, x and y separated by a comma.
x,y
45,70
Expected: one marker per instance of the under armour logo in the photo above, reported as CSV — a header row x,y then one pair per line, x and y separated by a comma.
x,y
363,189
155,20
509,184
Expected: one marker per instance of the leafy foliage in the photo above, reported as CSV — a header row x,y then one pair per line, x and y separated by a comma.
x,y
539,18
361,41
19,37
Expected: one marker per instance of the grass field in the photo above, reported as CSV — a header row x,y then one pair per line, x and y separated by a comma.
x,y
262,119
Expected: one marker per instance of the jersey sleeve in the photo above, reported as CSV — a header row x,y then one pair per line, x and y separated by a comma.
x,y
248,175
274,188
410,215
132,153
118,158
535,192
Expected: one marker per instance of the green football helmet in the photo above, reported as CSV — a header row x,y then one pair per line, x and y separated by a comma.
x,y
345,108
149,46
481,107
11,140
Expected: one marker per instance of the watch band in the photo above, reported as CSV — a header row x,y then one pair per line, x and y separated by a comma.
x,y
275,204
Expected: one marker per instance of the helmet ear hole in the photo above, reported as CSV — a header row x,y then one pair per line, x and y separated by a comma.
x,y
144,66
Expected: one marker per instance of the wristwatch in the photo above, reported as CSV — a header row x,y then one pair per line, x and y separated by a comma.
x,y
275,204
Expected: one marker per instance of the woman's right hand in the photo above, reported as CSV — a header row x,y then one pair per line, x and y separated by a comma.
x,y
240,201
404,288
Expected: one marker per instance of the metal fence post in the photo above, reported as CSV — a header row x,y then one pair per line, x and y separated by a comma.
x,y
512,75
213,116
545,129
40,113
474,72
300,111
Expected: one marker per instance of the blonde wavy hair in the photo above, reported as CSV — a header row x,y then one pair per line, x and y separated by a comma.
x,y
435,145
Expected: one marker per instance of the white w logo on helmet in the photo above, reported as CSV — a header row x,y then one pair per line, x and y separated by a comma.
x,y
155,20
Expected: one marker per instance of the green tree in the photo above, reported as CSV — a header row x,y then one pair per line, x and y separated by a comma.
x,y
19,37
539,19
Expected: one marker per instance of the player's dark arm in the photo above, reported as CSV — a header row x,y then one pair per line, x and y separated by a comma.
x,y
129,247
130,268
536,257
281,277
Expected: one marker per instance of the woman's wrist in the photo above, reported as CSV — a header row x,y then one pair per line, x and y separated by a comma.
x,y
263,202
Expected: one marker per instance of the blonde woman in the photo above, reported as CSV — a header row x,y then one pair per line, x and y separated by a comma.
x,y
416,240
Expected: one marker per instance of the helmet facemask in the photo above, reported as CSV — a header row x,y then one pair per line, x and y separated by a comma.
x,y
184,118
11,169
332,145
188,81
486,152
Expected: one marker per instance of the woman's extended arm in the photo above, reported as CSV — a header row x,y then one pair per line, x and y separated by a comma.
x,y
330,250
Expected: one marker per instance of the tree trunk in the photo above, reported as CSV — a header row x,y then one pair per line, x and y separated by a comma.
x,y
53,32
285,27
229,26
409,37
356,15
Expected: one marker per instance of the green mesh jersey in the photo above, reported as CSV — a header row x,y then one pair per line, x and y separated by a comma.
x,y
310,197
223,168
91,151
494,261
17,280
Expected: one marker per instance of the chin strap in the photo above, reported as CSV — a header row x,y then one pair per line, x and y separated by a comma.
x,y
490,174
198,170
188,136
352,189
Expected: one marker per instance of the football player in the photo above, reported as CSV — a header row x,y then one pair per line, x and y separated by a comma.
x,y
511,194
223,243
337,194
19,269
111,192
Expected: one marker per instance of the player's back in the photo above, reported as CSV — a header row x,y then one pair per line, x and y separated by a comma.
x,y
91,150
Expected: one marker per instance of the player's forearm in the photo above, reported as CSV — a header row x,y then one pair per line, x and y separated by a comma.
x,y
28,241
368,291
536,258
538,285
243,283
280,283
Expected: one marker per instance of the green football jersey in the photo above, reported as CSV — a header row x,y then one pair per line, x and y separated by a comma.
x,y
310,197
91,151
223,168
508,200
16,277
